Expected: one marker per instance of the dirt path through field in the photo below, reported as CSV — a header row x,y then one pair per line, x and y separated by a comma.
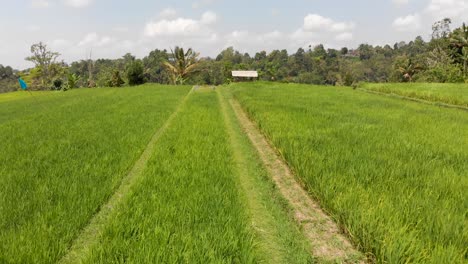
x,y
327,242
89,236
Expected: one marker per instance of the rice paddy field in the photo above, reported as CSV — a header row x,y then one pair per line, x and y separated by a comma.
x,y
446,93
394,173
63,155
166,174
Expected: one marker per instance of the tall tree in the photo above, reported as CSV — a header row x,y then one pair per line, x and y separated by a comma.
x,y
441,29
459,41
135,73
44,59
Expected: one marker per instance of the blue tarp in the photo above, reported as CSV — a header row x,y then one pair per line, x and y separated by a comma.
x,y
23,84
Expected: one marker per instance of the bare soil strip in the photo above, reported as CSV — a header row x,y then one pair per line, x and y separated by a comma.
x,y
89,236
434,103
328,244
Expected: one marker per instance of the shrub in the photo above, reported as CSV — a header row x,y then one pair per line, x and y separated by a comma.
x,y
57,84
135,73
116,80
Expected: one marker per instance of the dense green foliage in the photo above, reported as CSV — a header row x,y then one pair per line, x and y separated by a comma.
x,y
393,172
455,94
135,74
63,155
8,81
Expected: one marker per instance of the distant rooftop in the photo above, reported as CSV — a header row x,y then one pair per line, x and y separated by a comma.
x,y
245,74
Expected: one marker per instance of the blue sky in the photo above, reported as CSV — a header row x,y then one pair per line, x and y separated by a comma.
x,y
111,28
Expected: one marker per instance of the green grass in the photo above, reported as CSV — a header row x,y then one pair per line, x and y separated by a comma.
x,y
392,172
63,155
187,206
203,197
448,93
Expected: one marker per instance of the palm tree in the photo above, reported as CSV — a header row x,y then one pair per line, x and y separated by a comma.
x,y
181,64
406,67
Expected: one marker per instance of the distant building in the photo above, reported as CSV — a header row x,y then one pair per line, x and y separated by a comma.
x,y
244,75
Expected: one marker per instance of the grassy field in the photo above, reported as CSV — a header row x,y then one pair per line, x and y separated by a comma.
x,y
392,172
62,156
203,195
448,93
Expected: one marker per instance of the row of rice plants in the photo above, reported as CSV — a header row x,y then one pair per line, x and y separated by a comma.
x,y
186,207
448,93
392,172
63,155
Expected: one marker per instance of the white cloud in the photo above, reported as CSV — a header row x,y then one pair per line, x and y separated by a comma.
x,y
274,35
344,36
342,26
301,36
78,3
408,23
314,22
208,18
238,35
93,39
40,3
319,29
455,9
419,23
168,13
181,26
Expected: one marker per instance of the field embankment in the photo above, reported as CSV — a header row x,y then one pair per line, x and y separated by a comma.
x,y
392,172
444,93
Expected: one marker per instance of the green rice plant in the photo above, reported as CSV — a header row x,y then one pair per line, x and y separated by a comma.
x,y
447,93
393,173
186,207
63,155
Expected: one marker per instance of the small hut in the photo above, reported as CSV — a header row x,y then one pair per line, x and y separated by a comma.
x,y
244,75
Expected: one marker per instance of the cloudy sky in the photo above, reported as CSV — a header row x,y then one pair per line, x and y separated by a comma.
x,y
111,28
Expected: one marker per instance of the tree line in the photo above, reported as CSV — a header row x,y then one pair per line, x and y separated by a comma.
x,y
442,59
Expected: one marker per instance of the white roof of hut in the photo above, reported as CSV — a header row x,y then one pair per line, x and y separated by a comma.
x,y
245,74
